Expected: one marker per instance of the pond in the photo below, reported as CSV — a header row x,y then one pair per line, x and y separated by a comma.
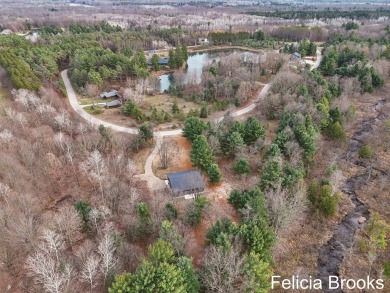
x,y
196,62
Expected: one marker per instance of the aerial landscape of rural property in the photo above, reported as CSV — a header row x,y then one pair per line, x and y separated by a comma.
x,y
194,146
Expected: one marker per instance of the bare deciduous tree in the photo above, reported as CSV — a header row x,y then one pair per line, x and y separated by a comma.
x,y
6,136
5,192
47,268
44,108
166,152
67,222
62,121
15,117
90,270
28,99
99,217
47,272
135,95
95,168
223,269
21,221
52,242
106,251
285,206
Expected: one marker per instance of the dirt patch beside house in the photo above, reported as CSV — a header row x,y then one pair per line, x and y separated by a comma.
x,y
180,162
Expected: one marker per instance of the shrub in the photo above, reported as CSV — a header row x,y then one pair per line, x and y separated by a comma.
x,y
94,110
143,211
84,209
386,269
171,211
131,110
145,132
271,174
203,112
321,198
365,152
241,167
253,129
193,127
195,210
363,246
214,174
388,125
219,230
336,131
239,199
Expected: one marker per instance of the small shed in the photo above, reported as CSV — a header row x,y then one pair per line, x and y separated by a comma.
x,y
203,40
113,104
186,182
109,95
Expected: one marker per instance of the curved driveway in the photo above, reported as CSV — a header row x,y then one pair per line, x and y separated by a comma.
x,y
154,182
95,121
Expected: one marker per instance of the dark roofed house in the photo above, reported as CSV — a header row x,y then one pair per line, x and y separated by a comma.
x,y
186,182
113,104
161,61
110,95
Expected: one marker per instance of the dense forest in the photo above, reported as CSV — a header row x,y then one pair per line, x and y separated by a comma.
x,y
96,54
254,40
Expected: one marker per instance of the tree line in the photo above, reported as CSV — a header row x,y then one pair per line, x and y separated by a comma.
x,y
304,47
324,14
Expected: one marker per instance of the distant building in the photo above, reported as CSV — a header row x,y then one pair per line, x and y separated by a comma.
x,y
296,56
113,104
186,182
151,53
162,61
203,41
109,95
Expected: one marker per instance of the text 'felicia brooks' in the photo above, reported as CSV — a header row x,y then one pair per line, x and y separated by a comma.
x,y
335,282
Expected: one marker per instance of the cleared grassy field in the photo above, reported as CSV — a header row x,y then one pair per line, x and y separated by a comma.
x,y
165,102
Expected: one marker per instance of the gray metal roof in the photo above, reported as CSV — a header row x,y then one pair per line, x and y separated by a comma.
x,y
110,94
163,61
296,54
115,103
186,182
